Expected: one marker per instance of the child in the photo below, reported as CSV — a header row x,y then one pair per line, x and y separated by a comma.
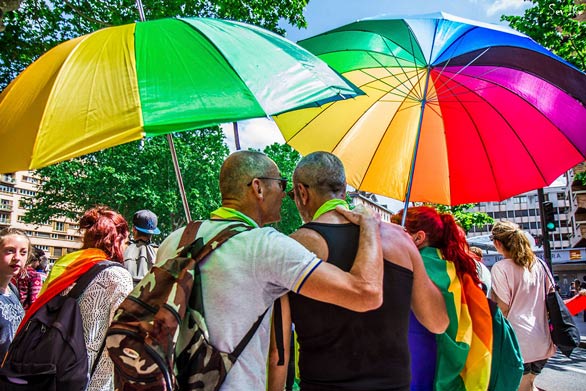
x,y
15,248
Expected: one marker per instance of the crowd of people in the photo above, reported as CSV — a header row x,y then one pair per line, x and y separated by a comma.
x,y
373,305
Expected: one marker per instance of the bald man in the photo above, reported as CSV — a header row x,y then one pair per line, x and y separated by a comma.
x,y
341,349
243,277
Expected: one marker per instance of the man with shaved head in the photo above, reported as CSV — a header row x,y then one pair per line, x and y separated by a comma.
x,y
243,277
341,349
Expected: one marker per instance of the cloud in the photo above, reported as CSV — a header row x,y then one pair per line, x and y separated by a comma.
x,y
504,6
254,133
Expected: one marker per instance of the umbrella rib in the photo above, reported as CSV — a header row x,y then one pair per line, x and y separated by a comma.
x,y
457,73
375,150
447,90
453,46
494,85
390,91
399,64
510,127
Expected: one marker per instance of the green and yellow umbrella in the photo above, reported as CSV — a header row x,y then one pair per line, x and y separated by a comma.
x,y
144,79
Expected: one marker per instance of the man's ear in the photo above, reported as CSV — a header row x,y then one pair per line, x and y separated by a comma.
x,y
256,187
303,193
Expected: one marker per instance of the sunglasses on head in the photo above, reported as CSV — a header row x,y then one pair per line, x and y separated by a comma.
x,y
282,181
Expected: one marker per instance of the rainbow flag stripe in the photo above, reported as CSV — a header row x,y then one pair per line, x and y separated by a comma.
x,y
463,352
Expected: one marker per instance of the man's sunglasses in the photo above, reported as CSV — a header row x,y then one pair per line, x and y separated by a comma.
x,y
291,193
282,181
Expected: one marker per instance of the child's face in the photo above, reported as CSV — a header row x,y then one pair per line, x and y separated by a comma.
x,y
13,255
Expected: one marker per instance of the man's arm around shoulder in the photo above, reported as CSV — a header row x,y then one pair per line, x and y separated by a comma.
x,y
360,289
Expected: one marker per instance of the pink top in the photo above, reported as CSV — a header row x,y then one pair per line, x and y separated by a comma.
x,y
523,290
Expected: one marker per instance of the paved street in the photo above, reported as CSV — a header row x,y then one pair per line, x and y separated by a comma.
x,y
564,374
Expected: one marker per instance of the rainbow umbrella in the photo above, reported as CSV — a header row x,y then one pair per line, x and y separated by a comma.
x,y
455,111
144,79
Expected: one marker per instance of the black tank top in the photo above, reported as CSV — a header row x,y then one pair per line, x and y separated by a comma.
x,y
344,350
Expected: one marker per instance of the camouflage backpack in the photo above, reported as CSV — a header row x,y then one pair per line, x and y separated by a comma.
x,y
158,339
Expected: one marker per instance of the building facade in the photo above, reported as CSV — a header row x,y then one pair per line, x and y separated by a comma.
x,y
524,211
56,237
577,204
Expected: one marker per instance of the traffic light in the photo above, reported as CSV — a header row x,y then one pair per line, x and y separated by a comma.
x,y
549,216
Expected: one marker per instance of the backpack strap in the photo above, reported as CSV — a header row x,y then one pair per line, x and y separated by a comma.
x,y
80,286
249,336
14,290
86,279
188,243
278,325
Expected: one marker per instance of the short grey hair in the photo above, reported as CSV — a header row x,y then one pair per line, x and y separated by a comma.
x,y
239,169
323,171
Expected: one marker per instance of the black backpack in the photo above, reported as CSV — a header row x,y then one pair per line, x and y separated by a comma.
x,y
49,353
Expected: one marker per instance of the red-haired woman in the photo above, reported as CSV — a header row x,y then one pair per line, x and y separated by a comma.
x,y
443,361
105,237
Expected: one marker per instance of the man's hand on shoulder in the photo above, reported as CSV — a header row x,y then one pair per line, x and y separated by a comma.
x,y
360,215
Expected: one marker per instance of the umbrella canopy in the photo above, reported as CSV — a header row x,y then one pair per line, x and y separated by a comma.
x,y
455,111
126,82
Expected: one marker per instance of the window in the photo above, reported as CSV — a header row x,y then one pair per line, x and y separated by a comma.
x,y
4,218
27,192
7,189
30,179
43,235
59,226
54,236
57,251
5,205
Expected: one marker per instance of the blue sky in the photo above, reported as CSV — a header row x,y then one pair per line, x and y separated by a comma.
x,y
323,15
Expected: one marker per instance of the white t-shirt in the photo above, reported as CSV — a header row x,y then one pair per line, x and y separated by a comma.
x,y
523,290
240,280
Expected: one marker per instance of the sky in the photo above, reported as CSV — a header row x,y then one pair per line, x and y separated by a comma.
x,y
324,15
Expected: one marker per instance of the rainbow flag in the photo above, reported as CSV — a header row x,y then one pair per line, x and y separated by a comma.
x,y
462,354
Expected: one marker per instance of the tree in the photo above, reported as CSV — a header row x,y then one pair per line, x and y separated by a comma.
x,y
466,219
37,26
133,176
287,159
554,24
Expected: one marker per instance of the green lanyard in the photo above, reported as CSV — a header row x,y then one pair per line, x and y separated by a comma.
x,y
330,205
232,214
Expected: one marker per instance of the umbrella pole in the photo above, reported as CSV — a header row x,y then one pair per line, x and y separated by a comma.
x,y
179,177
236,136
171,144
415,148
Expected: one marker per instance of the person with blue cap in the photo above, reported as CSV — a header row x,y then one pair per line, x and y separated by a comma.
x,y
141,253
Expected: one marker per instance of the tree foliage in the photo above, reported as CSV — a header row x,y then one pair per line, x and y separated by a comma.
x,y
464,217
287,159
134,176
38,25
553,24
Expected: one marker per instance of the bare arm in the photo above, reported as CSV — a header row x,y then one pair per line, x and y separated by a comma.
x,y
501,304
427,301
278,373
361,288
